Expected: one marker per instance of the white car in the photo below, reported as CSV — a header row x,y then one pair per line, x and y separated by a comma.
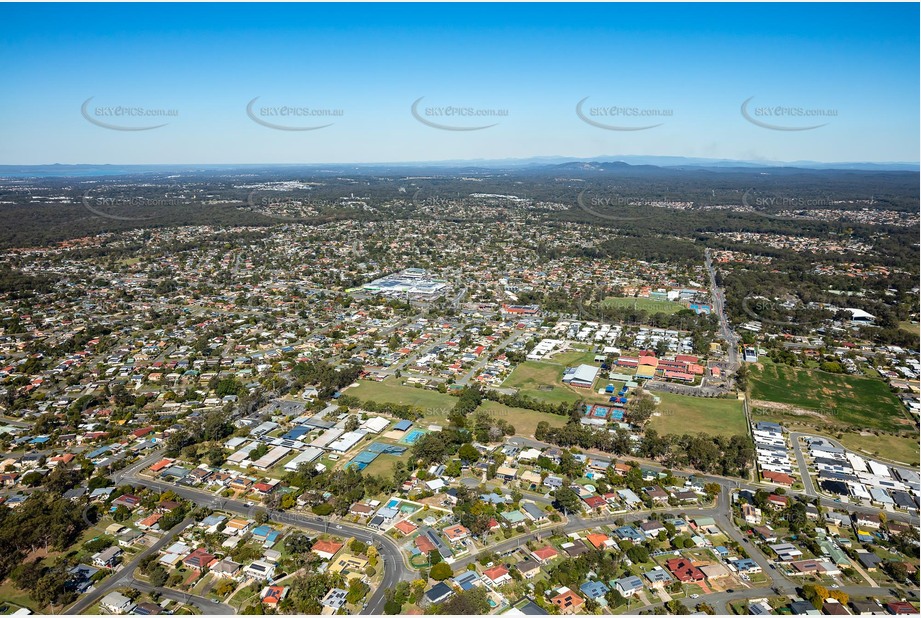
x,y
695,596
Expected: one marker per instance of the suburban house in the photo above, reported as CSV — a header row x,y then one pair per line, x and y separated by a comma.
x,y
568,601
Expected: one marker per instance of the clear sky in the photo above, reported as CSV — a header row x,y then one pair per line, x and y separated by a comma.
x,y
699,63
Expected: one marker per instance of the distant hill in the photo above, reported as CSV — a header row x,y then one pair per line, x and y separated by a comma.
x,y
602,164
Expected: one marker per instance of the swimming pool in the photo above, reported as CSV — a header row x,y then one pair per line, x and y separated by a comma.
x,y
393,504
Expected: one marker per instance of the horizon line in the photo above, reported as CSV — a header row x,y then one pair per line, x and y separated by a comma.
x,y
535,159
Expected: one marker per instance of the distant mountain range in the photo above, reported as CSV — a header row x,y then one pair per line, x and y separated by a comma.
x,y
561,164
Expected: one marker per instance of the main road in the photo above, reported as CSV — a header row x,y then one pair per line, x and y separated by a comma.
x,y
124,576
732,483
718,600
207,606
395,568
721,513
719,308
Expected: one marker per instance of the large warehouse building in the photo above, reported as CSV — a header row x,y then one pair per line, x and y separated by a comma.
x,y
582,376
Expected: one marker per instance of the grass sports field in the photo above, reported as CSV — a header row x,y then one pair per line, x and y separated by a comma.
x,y
391,391
530,376
524,421
850,400
646,304
680,414
578,355
541,380
383,465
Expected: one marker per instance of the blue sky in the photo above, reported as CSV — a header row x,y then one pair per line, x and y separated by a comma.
x,y
698,63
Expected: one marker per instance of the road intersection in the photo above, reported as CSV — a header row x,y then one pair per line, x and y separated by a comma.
x,y
392,557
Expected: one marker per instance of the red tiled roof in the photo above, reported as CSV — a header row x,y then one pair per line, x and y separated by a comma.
x,y
594,501
778,477
328,547
597,540
683,570
495,573
545,553
406,527
423,544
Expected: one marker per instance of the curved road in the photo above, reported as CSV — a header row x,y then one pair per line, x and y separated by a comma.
x,y
810,489
123,576
207,606
395,569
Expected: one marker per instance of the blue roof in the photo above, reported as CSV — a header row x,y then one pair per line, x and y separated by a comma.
x,y
593,589
403,425
262,530
386,449
296,433
658,575
466,580
99,451
629,582
629,532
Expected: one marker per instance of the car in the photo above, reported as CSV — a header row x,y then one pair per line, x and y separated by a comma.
x,y
730,591
338,527
250,504
695,596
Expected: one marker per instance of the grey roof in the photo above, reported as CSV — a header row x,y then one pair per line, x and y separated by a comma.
x,y
533,510
532,609
438,592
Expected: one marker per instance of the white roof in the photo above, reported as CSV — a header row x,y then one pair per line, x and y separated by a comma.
x,y
879,469
115,599
270,458
858,314
375,425
328,436
584,373
309,455
347,441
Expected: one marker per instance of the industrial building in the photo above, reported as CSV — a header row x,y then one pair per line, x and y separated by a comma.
x,y
582,376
